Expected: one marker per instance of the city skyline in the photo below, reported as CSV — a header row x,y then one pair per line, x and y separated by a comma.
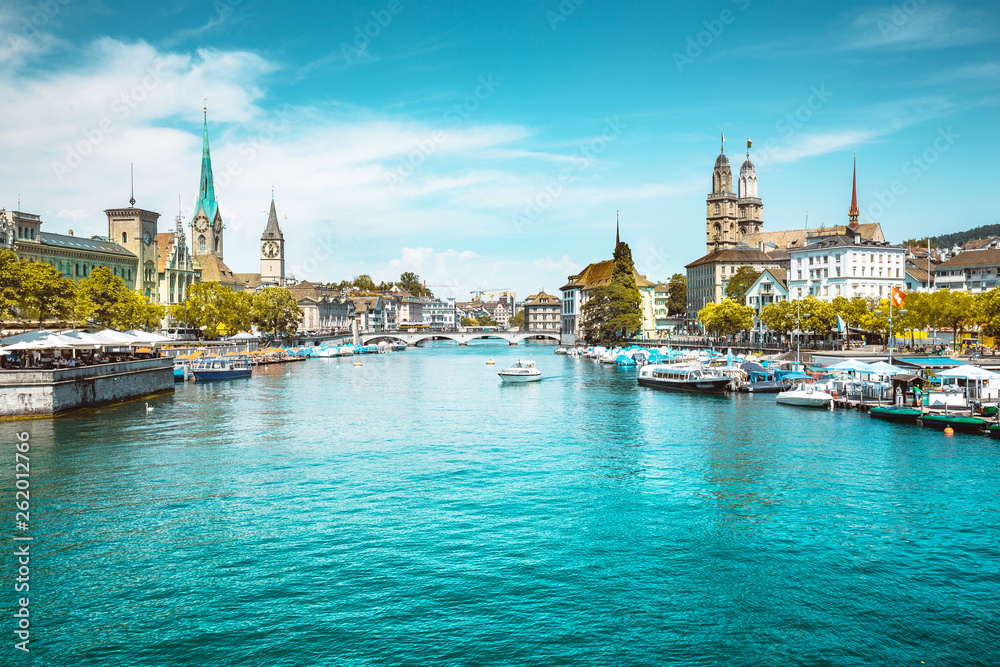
x,y
493,148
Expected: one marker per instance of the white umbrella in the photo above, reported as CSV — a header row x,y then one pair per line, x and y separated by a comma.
x,y
120,339
149,337
243,335
969,372
883,368
853,365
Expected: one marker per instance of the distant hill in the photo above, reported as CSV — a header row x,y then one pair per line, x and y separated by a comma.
x,y
959,238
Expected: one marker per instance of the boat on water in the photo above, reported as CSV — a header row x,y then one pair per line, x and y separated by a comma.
x,y
680,377
764,387
806,396
182,370
221,368
896,413
957,422
522,371
993,430
398,347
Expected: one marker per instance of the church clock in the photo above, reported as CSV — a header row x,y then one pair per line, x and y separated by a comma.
x,y
201,224
270,249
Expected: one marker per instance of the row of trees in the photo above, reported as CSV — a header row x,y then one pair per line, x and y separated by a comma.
x,y
958,311
364,283
40,292
218,310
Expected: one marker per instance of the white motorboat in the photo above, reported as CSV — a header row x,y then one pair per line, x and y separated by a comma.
x,y
522,371
805,395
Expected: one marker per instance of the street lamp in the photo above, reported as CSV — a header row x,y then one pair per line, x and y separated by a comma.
x,y
892,318
798,331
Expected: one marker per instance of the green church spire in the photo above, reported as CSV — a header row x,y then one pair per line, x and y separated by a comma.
x,y
206,191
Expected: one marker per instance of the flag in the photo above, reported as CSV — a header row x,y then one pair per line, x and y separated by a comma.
x,y
749,143
841,324
897,297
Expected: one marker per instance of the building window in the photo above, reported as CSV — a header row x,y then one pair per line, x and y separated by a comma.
x,y
717,209
124,238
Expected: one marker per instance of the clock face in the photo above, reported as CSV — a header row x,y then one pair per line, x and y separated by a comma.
x,y
270,249
147,238
201,224
218,225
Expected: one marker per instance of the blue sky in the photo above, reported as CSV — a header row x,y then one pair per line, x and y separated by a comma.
x,y
491,144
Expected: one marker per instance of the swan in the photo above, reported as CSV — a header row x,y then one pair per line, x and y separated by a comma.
x,y
148,409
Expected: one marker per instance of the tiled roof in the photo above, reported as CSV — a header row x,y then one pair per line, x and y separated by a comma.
x,y
363,304
972,258
599,273
796,238
249,279
542,299
975,244
81,243
780,276
737,255
214,269
920,275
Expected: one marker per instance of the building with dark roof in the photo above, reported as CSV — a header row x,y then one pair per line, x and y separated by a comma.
x,y
542,312
708,276
74,256
972,270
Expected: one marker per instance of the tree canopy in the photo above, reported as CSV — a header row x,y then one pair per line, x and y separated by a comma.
x,y
613,312
727,317
740,282
677,295
275,311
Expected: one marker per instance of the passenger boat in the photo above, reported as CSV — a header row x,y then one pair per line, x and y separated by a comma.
x,y
522,371
221,368
764,387
896,413
682,377
957,422
806,396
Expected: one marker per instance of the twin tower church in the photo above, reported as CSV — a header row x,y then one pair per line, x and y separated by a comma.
x,y
167,267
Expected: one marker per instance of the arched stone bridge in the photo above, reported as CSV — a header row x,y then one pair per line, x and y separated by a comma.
x,y
460,337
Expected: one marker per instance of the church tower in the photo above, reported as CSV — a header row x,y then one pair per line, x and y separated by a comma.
x,y
272,251
721,221
751,209
207,221
135,230
853,214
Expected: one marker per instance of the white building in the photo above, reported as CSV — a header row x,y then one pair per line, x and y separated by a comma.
x,y
847,266
971,271
439,315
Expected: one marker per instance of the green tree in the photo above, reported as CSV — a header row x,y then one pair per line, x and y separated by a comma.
x,y
411,283
740,282
517,320
613,312
46,292
727,317
276,312
986,312
779,316
470,321
237,314
364,283
137,312
206,308
955,310
818,317
677,295
102,297
10,282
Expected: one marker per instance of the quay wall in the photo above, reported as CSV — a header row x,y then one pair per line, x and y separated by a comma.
x,y
45,393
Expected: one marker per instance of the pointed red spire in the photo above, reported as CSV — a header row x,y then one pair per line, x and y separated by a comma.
x,y
853,214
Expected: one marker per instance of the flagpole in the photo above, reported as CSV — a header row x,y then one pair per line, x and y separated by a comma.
x,y
892,297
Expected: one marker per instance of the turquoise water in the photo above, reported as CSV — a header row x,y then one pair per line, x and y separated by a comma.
x,y
416,511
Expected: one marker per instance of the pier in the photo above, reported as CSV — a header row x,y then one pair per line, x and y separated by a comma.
x,y
49,392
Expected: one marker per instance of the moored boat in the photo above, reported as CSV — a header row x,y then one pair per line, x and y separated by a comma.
x,y
182,370
764,387
896,413
221,368
993,430
682,377
522,371
805,395
957,422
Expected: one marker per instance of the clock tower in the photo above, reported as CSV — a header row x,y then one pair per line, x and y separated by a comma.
x,y
272,252
135,230
207,224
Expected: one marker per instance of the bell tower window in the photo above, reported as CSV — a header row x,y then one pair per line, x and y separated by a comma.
x,y
124,238
717,209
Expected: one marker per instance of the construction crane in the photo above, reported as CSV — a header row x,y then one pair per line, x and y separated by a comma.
x,y
490,291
